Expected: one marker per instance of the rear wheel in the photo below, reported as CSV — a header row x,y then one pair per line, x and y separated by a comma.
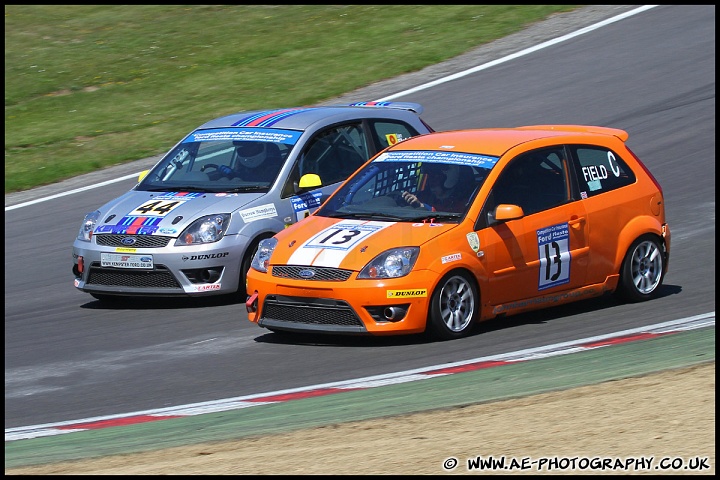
x,y
454,307
642,269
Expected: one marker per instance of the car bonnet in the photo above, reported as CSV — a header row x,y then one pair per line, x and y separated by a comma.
x,y
348,243
165,213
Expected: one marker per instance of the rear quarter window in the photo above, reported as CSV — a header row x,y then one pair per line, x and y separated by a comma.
x,y
600,170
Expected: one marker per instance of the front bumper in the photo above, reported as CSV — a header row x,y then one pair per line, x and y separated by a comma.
x,y
203,270
353,307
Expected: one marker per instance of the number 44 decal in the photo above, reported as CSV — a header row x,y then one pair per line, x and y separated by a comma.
x,y
554,255
156,208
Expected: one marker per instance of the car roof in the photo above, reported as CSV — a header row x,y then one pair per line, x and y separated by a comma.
x,y
497,141
299,118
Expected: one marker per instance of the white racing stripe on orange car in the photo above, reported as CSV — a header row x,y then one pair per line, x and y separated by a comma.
x,y
329,247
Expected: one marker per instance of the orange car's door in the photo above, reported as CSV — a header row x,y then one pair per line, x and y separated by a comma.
x,y
535,255
545,251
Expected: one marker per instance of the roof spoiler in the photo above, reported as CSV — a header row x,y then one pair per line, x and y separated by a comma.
x,y
616,132
413,107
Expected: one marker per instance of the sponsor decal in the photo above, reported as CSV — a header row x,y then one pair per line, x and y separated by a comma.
x,y
451,258
303,205
132,225
289,137
258,213
428,156
393,138
178,196
473,241
205,256
420,292
125,260
167,231
126,250
206,288
554,255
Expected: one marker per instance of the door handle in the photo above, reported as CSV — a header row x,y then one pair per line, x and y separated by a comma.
x,y
576,222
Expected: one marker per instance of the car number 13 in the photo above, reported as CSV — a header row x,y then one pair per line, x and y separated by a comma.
x,y
554,255
344,236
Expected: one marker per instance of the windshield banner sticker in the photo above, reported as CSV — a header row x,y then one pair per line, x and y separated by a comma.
x,y
247,134
457,158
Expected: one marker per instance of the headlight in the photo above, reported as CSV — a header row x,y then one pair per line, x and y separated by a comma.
x,y
261,259
88,226
393,263
207,229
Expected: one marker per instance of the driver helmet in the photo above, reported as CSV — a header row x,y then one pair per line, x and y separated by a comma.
x,y
442,174
250,154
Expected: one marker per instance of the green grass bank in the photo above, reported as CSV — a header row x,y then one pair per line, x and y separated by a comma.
x,y
91,86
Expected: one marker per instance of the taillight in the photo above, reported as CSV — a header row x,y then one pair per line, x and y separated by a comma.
x,y
649,174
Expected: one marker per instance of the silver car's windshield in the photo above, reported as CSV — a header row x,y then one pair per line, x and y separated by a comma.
x,y
223,160
412,186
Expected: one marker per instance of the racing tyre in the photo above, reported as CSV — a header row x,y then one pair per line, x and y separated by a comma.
x,y
642,269
454,307
240,294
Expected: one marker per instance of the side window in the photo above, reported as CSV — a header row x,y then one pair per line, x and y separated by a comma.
x,y
535,181
388,132
600,170
335,153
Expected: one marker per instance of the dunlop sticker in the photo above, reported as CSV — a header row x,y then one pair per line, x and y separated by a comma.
x,y
420,292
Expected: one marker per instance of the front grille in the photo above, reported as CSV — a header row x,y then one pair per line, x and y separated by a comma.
x,y
319,273
141,241
310,311
113,277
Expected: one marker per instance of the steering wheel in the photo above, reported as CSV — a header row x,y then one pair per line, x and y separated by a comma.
x,y
218,172
398,199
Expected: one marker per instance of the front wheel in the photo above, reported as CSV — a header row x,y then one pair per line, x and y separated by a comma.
x,y
642,269
454,307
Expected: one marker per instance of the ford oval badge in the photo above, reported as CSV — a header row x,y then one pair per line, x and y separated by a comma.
x,y
128,241
307,273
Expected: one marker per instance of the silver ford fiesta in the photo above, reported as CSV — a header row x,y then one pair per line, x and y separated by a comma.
x,y
191,225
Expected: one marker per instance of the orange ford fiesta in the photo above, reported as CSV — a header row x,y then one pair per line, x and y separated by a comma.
x,y
444,230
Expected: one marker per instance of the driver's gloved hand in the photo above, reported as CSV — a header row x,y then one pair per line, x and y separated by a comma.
x,y
226,171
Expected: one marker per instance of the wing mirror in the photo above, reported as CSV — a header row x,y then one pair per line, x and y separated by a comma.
x,y
310,180
505,212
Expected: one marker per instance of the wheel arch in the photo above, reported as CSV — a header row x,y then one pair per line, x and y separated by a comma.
x,y
635,229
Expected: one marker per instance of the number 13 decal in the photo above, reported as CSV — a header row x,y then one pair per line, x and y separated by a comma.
x,y
345,235
556,259
554,256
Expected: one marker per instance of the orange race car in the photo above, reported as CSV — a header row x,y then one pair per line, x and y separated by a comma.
x,y
444,230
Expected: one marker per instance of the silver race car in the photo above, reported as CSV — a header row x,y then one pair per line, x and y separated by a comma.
x,y
191,225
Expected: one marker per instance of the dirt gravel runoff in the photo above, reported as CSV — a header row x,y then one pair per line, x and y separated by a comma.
x,y
666,418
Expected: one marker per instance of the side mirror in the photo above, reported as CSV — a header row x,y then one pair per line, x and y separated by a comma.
x,y
142,175
505,212
310,180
